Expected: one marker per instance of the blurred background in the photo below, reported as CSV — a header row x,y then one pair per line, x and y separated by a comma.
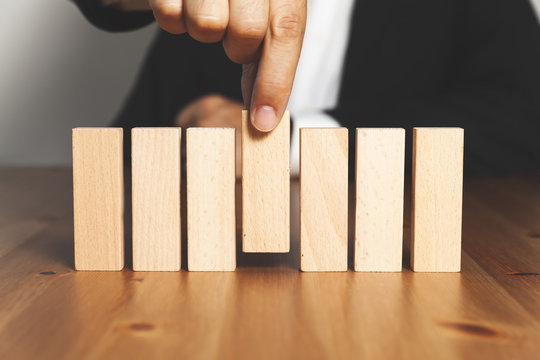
x,y
58,72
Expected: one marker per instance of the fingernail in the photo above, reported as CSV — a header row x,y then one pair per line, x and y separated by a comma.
x,y
265,118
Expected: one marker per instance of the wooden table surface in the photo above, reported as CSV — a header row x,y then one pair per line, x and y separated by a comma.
x,y
267,309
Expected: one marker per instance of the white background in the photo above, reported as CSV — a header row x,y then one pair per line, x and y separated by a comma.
x,y
57,72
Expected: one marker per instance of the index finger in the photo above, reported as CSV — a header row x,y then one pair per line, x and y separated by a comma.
x,y
277,65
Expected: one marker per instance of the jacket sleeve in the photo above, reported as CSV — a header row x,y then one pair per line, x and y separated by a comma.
x,y
111,18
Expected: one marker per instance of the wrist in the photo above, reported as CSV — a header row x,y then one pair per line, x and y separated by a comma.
x,y
128,5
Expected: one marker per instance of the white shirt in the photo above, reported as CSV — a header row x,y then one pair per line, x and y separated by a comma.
x,y
318,76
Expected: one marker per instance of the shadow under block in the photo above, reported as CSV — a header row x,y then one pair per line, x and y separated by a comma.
x,y
211,180
155,170
265,187
323,199
98,198
380,167
437,199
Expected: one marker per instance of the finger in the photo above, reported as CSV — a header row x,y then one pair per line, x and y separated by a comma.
x,y
169,15
277,66
248,22
249,73
206,20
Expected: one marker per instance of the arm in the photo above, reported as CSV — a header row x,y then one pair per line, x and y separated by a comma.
x,y
128,5
116,15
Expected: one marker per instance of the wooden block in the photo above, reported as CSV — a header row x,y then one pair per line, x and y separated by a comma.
x,y
98,198
211,179
380,167
323,199
155,170
265,187
437,199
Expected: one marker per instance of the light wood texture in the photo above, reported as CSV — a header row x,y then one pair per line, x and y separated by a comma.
x,y
155,170
380,172
488,311
437,199
265,187
98,198
323,199
211,223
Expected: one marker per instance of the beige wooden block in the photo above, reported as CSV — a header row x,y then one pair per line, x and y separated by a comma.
x,y
380,167
211,179
98,198
155,173
437,199
265,187
323,199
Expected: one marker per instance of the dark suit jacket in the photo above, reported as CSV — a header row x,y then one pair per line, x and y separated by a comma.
x,y
468,63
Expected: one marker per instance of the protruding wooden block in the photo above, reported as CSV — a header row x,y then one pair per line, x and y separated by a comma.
x,y
211,222
323,199
155,170
380,167
265,187
98,198
437,199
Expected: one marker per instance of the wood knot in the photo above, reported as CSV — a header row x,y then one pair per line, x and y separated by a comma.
x,y
47,273
470,329
141,326
524,274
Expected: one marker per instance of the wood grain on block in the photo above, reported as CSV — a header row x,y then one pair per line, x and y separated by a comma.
x,y
98,198
265,187
380,166
155,157
437,199
323,199
211,222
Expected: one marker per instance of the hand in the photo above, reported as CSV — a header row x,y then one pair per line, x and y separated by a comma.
x,y
263,35
214,111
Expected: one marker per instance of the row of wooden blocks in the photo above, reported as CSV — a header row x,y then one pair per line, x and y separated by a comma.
x,y
211,230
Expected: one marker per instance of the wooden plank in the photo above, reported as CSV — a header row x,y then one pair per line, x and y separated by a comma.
x,y
323,199
480,312
265,187
98,198
437,199
498,209
155,156
211,221
380,166
476,313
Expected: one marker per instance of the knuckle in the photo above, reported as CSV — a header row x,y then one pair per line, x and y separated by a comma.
x,y
168,12
209,24
287,26
249,31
